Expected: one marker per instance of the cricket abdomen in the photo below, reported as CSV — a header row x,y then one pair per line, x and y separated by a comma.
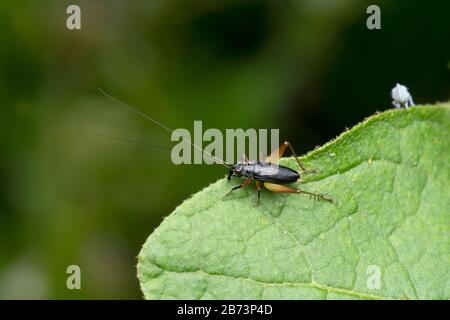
x,y
269,172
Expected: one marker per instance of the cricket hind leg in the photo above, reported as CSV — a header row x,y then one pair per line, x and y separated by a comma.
x,y
278,153
285,189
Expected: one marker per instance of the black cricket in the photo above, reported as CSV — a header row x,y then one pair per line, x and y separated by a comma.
x,y
273,176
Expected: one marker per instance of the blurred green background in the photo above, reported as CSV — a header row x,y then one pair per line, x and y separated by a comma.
x,y
310,68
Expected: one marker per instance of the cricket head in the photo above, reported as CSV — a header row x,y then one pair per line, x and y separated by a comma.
x,y
235,170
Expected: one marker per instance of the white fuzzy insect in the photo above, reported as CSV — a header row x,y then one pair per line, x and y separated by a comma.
x,y
401,97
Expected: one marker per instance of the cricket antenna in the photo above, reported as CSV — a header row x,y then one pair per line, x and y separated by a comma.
x,y
159,124
140,143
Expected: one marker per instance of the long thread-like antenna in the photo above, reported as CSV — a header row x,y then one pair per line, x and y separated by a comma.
x,y
162,126
144,144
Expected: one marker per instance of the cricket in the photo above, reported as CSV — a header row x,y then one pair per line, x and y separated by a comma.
x,y
273,176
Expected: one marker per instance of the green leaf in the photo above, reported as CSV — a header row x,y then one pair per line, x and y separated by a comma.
x,y
389,178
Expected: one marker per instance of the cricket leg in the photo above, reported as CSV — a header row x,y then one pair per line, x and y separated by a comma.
x,y
258,188
285,189
242,185
278,153
298,161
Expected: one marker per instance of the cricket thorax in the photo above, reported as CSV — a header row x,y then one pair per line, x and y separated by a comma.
x,y
245,169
